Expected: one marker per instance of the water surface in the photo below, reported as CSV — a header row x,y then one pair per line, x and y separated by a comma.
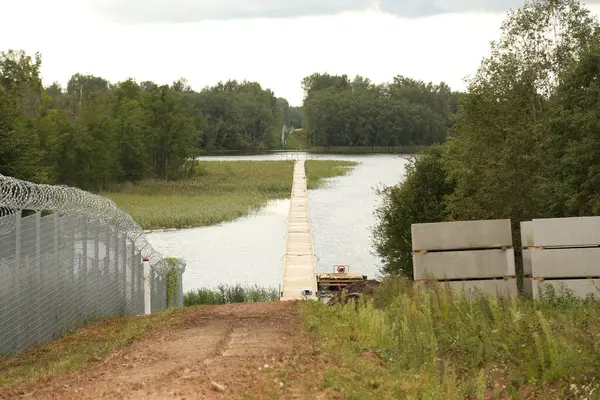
x,y
250,250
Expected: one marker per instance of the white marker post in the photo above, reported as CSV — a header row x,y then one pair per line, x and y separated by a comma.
x,y
147,292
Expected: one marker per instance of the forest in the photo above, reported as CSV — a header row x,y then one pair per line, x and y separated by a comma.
x,y
339,111
94,134
525,141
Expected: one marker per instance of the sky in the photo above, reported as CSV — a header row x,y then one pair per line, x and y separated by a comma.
x,y
274,42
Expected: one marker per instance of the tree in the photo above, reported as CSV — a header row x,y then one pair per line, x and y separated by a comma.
x,y
493,156
419,199
523,142
340,112
20,100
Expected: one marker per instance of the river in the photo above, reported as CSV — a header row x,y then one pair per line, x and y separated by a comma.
x,y
250,250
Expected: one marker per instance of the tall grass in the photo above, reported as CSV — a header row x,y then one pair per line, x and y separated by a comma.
x,y
418,344
225,294
219,191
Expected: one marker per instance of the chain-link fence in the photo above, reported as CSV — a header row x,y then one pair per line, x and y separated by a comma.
x,y
67,257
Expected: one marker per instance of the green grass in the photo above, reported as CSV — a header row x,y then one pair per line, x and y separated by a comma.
x,y
225,294
418,344
317,171
79,349
220,191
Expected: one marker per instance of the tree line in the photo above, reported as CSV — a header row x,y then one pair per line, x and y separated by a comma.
x,y
525,142
339,111
92,133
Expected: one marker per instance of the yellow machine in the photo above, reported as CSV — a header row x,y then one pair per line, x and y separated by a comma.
x,y
329,285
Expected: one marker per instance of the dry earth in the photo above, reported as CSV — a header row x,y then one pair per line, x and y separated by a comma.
x,y
221,352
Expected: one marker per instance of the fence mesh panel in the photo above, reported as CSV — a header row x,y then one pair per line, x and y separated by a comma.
x,y
67,257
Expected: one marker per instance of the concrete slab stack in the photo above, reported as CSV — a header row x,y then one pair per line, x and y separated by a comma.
x,y
562,252
474,255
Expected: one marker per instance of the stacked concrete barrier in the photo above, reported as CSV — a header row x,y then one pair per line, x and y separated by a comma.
x,y
474,255
562,252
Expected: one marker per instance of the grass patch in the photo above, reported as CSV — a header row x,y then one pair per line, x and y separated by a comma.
x,y
79,349
416,344
317,171
219,191
225,294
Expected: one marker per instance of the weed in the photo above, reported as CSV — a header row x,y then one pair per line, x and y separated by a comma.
x,y
442,344
225,294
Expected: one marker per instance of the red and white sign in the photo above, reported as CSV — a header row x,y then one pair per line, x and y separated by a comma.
x,y
341,269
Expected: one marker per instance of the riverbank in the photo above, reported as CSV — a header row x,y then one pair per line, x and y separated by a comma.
x,y
219,192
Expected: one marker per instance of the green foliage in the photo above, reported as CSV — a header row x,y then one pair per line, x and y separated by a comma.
x,y
357,113
20,98
420,198
440,344
172,283
524,140
571,145
240,116
225,294
93,134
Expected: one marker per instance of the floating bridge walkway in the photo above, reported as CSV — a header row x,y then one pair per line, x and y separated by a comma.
x,y
299,271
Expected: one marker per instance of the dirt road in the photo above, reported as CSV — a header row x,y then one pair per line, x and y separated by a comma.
x,y
210,353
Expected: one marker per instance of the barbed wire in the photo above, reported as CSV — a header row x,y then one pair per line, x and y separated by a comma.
x,y
16,195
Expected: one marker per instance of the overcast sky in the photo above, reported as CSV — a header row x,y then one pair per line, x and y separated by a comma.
x,y
275,42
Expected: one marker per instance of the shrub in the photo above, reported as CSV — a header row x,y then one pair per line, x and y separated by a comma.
x,y
420,198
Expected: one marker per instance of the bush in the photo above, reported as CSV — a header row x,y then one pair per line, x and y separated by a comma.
x,y
420,198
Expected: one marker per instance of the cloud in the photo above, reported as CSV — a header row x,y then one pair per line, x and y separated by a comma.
x,y
424,8
177,11
139,11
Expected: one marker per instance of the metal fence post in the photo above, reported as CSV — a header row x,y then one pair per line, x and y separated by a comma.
x,y
60,280
133,278
118,267
38,274
147,288
106,275
179,289
123,277
96,270
18,215
83,278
